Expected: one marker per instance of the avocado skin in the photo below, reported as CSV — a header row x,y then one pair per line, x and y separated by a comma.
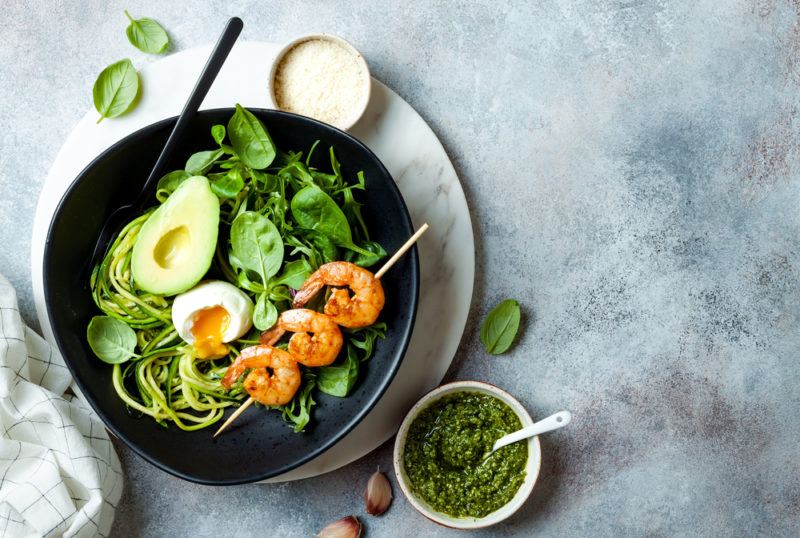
x,y
176,245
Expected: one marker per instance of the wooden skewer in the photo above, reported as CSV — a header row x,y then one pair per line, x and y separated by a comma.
x,y
386,266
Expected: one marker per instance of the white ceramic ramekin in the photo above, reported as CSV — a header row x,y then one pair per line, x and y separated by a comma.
x,y
359,108
531,469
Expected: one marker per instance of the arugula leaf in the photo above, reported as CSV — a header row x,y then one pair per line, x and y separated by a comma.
x,y
256,245
377,254
250,139
115,89
111,339
364,338
500,327
202,161
339,380
147,35
298,411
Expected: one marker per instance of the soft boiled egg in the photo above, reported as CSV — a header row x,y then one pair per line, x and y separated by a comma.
x,y
211,314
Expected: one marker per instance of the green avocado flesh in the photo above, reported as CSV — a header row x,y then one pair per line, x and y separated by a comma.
x,y
445,449
176,244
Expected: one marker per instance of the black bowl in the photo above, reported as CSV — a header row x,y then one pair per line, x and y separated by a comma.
x,y
259,445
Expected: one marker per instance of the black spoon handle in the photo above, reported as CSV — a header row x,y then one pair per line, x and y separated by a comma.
x,y
209,73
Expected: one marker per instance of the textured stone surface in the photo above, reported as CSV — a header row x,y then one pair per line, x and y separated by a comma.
x,y
632,171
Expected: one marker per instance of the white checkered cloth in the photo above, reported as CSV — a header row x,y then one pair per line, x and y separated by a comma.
x,y
59,474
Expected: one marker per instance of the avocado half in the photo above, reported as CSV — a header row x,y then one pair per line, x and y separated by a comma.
x,y
176,244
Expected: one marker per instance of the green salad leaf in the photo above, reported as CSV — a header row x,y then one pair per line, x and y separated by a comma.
x,y
500,327
298,411
111,339
294,274
265,314
218,133
169,182
338,380
227,185
250,139
256,245
202,161
115,89
147,35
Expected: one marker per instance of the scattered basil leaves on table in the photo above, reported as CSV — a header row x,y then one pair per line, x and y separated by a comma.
x,y
500,327
147,35
115,89
250,139
111,339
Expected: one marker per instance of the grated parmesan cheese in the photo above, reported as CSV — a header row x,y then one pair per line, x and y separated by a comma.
x,y
320,79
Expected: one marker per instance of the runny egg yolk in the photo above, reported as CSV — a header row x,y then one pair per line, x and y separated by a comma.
x,y
208,327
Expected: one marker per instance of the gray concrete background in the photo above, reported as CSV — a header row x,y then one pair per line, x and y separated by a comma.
x,y
632,172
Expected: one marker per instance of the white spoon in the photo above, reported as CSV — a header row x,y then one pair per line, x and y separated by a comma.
x,y
553,422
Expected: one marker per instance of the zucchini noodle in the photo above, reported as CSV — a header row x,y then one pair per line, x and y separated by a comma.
x,y
168,383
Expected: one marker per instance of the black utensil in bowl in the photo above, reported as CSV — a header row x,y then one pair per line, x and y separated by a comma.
x,y
259,445
218,56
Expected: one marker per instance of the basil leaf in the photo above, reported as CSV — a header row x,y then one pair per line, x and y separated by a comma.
x,y
265,315
500,327
294,274
250,139
202,161
339,380
228,185
256,245
169,182
218,132
111,339
147,35
115,89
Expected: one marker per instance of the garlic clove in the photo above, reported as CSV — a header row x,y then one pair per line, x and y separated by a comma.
x,y
347,527
378,494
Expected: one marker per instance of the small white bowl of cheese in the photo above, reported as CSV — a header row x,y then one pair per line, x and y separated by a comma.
x,y
323,77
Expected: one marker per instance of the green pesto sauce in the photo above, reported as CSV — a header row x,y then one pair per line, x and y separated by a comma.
x,y
445,448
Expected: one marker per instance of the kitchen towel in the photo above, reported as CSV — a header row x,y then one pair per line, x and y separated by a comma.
x,y
59,474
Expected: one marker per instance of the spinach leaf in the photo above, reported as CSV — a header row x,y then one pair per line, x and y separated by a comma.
x,y
111,339
169,182
202,161
115,89
147,35
500,327
315,210
228,185
256,245
339,380
250,139
218,132
265,314
294,274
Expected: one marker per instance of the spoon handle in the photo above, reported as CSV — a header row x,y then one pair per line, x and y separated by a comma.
x,y
218,55
553,422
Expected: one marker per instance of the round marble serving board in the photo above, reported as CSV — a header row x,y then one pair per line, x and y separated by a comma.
x,y
410,151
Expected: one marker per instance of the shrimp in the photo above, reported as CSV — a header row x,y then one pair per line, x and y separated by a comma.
x,y
319,348
361,309
274,376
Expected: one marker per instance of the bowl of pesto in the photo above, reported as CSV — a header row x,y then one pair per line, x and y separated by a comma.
x,y
440,456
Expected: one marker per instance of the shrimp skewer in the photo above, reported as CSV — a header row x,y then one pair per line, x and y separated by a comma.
x,y
317,339
407,245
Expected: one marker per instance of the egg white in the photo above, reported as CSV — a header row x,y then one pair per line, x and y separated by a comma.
x,y
208,294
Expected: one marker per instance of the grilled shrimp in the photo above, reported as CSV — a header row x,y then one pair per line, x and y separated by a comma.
x,y
317,339
274,376
361,309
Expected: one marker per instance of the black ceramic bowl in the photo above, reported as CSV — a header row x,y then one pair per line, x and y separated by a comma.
x,y
259,445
